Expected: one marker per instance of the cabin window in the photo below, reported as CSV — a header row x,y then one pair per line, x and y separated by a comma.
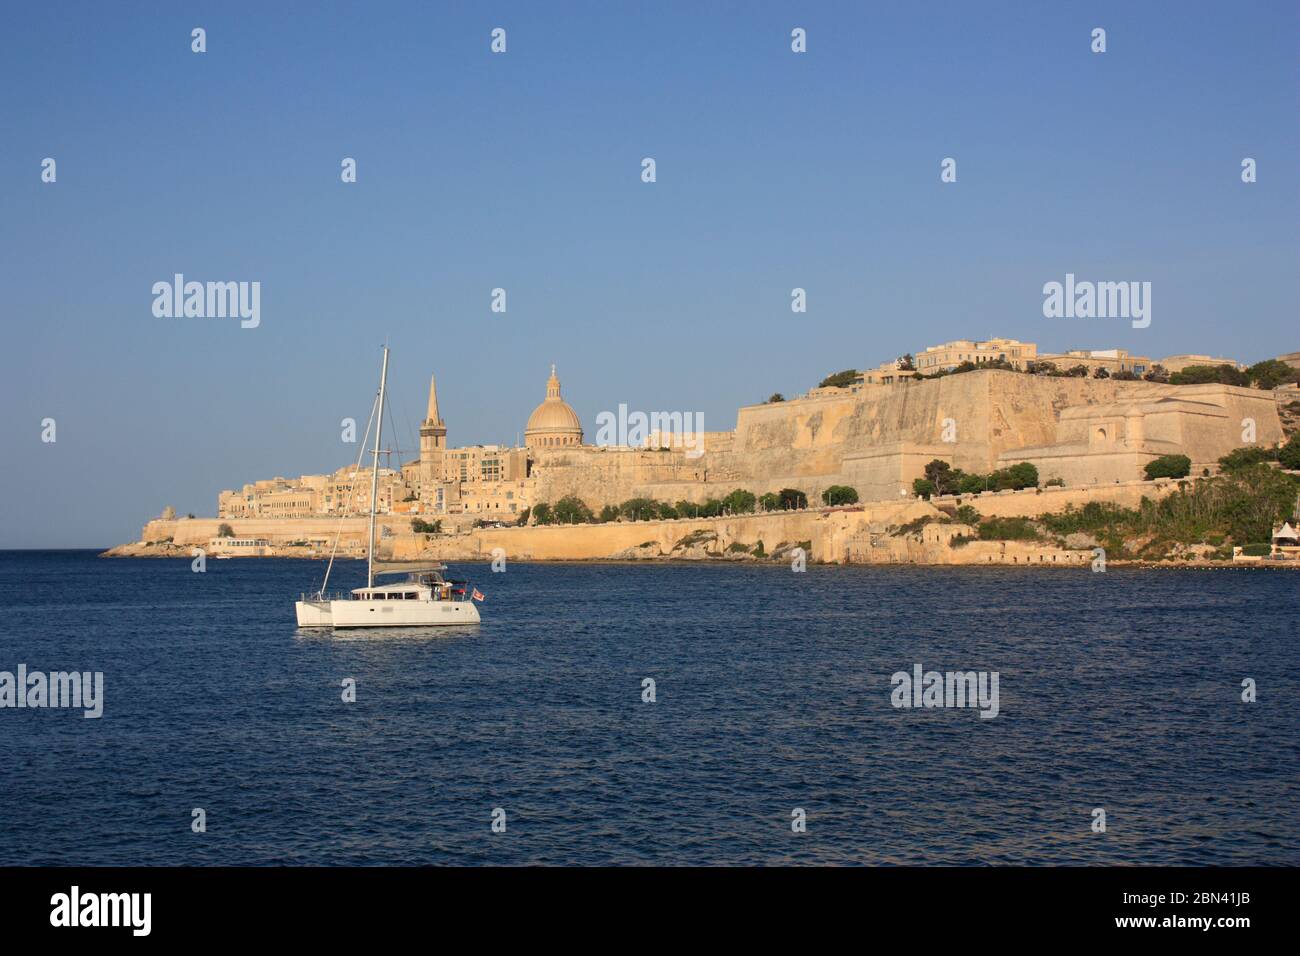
x,y
411,595
378,596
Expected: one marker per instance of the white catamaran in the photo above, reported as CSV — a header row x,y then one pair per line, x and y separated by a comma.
x,y
424,599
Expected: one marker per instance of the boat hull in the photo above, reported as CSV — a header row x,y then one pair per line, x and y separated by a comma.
x,y
385,613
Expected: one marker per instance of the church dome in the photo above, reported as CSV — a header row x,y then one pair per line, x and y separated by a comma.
x,y
553,422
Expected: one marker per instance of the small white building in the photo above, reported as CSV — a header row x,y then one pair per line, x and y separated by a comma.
x,y
1286,542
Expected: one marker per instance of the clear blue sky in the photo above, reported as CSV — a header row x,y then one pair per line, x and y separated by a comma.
x,y
521,170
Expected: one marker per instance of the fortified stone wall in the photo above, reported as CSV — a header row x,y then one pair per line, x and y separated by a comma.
x,y
610,475
880,438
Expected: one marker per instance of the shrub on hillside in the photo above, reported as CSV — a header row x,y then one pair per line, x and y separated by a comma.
x,y
1007,529
1168,466
1240,458
1244,506
1289,454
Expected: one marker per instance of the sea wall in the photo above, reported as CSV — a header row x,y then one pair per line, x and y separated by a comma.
x,y
200,531
1031,502
834,534
825,531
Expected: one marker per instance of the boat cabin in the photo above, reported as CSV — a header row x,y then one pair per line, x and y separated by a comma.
x,y
421,584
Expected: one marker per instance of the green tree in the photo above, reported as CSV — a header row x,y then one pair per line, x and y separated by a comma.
x,y
840,379
542,513
792,498
739,502
709,508
1020,475
776,397
1210,374
572,510
967,515
840,495
225,531
1169,466
945,479
924,487
420,526
609,513
639,509
1271,373
769,502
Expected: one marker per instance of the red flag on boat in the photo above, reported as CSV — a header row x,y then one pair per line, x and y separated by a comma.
x,y
477,595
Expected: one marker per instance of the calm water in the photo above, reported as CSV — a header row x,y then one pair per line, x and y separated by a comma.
x,y
1118,690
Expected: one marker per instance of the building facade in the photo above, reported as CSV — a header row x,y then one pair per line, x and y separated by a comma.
x,y
494,482
946,357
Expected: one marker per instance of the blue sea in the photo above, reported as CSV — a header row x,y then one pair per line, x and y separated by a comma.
x,y
1120,691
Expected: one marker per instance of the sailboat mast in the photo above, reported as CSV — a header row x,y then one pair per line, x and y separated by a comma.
x,y
374,478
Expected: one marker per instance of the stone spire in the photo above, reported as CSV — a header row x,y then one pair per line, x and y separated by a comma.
x,y
553,384
432,418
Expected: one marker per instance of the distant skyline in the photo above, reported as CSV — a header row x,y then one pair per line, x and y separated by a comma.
x,y
522,171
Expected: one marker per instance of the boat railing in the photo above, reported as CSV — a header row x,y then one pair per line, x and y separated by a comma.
x,y
326,596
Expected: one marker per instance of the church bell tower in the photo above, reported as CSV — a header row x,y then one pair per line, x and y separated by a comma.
x,y
433,448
